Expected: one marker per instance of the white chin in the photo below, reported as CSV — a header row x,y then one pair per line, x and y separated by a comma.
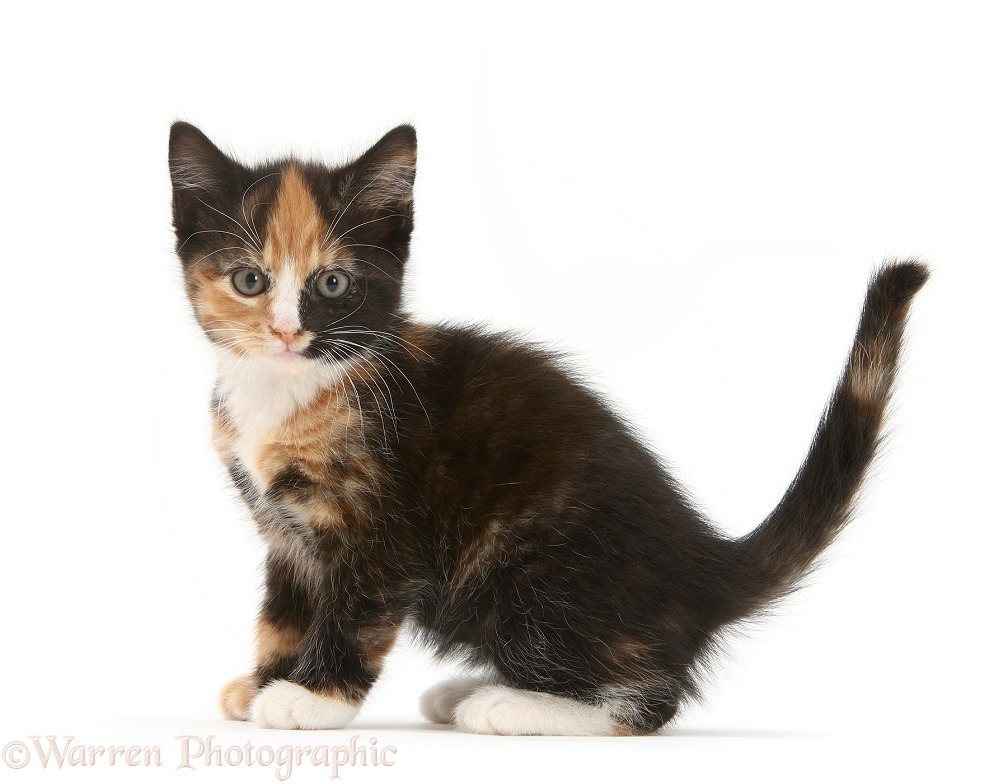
x,y
289,360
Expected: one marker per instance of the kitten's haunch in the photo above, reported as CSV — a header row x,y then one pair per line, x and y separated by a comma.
x,y
461,480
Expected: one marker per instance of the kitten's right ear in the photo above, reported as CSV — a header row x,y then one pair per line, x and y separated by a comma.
x,y
198,167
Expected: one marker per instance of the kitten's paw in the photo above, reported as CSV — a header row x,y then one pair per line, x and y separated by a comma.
x,y
235,699
438,704
501,710
288,706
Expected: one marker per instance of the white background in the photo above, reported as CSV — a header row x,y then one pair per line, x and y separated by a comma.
x,y
688,198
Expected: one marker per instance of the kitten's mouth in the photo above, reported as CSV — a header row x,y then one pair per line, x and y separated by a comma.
x,y
285,353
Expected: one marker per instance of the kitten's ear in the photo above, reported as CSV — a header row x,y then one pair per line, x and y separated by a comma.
x,y
383,178
198,167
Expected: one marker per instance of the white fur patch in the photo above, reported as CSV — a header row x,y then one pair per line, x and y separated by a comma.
x,y
286,300
284,705
438,704
259,395
501,710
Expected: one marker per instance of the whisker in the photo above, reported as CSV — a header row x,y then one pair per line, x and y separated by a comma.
x,y
358,400
259,204
379,409
378,247
334,242
244,213
377,393
374,266
388,397
389,335
384,358
240,225
220,250
210,231
341,212
229,321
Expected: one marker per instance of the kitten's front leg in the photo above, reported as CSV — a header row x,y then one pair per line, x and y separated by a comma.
x,y
275,656
283,621
338,665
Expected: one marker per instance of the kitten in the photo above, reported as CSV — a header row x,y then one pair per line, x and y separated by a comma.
x,y
462,480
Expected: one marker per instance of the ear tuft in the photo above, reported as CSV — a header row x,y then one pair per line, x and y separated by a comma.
x,y
196,163
384,175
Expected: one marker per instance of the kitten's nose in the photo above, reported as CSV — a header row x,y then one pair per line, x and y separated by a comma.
x,y
287,336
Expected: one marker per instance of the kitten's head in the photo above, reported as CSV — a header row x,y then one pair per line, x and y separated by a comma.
x,y
292,263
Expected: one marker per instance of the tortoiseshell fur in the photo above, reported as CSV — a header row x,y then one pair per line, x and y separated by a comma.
x,y
463,480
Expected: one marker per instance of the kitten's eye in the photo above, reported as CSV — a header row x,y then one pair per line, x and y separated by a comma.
x,y
332,284
249,281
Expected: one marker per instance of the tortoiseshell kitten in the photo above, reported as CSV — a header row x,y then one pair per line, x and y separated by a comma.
x,y
461,480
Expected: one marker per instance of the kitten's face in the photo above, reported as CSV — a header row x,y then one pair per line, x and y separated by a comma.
x,y
293,263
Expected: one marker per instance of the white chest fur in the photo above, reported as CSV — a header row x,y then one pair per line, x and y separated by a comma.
x,y
258,398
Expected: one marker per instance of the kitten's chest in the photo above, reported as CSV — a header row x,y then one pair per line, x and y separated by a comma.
x,y
299,457
270,425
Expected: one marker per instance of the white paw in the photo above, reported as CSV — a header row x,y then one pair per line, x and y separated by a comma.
x,y
501,710
438,704
288,706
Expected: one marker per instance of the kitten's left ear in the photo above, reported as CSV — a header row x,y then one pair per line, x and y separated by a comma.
x,y
383,178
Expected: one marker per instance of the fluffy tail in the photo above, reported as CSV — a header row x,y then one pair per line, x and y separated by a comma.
x,y
819,502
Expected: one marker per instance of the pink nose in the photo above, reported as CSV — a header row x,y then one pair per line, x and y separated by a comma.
x,y
287,336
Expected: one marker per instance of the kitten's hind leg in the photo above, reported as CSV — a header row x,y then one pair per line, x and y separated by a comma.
x,y
504,710
438,704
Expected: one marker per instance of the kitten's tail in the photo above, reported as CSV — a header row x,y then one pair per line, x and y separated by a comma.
x,y
819,502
